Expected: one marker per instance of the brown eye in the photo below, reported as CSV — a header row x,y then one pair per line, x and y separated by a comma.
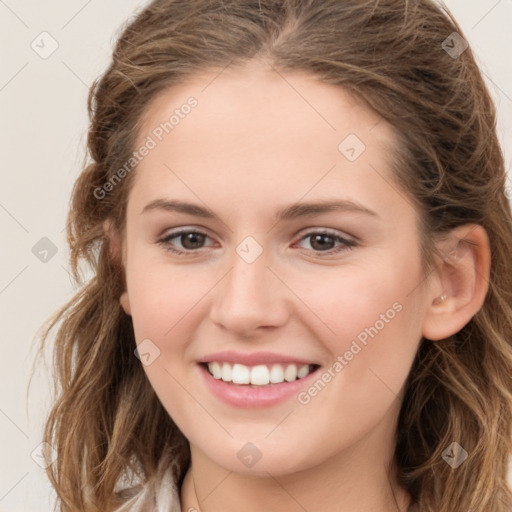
x,y
192,240
322,242
184,241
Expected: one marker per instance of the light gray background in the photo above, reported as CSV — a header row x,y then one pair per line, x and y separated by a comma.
x,y
43,129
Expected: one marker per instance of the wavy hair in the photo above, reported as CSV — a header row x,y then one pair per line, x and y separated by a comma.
x,y
390,53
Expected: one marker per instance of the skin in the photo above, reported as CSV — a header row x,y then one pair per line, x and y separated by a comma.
x,y
259,141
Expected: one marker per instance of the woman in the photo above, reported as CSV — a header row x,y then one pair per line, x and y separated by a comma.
x,y
295,212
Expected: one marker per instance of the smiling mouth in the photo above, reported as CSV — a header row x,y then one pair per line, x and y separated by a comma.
x,y
259,375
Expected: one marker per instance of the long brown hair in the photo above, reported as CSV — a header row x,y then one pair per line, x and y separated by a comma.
x,y
107,423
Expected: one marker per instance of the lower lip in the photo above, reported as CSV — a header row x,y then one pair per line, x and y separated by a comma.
x,y
249,397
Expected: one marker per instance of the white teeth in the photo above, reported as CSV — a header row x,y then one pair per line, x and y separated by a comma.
x,y
226,372
303,371
259,375
277,374
290,374
241,374
216,370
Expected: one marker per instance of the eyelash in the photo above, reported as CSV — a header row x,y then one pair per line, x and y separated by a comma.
x,y
347,244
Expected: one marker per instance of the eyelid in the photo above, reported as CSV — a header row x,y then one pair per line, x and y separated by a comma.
x,y
347,241
327,231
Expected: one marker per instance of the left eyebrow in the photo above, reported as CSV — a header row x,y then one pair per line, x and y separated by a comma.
x,y
291,212
317,208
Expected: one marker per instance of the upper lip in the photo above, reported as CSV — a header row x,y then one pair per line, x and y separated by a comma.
x,y
252,359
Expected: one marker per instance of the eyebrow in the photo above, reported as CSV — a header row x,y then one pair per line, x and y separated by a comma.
x,y
291,212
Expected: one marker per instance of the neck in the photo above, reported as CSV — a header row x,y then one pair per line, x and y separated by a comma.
x,y
362,478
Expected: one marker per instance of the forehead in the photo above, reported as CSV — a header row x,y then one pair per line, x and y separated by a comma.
x,y
258,96
258,133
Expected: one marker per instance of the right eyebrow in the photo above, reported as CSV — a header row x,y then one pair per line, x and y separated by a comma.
x,y
180,207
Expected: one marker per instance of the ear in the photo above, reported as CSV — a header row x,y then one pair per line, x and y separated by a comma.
x,y
117,253
460,282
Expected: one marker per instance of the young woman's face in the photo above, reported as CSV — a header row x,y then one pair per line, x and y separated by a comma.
x,y
268,281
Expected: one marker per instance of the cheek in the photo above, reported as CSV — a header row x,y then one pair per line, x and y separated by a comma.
x,y
381,335
161,297
371,325
355,301
166,306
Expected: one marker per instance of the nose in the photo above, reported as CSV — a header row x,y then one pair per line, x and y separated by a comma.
x,y
249,298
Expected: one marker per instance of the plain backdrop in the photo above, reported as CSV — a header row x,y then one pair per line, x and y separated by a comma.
x,y
43,128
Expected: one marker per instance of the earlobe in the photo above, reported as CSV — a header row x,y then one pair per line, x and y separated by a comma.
x,y
461,282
